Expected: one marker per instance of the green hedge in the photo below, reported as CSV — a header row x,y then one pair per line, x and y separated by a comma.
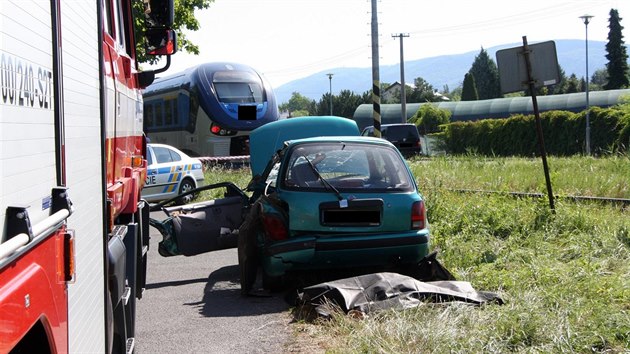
x,y
563,132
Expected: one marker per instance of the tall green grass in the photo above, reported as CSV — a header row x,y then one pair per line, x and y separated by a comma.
x,y
576,176
565,276
217,174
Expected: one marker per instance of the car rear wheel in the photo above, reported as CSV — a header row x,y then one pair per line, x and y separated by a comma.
x,y
272,283
186,186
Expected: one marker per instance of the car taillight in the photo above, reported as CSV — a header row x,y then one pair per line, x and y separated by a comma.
x,y
275,227
418,216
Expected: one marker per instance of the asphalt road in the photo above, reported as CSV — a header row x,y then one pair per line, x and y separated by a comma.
x,y
194,305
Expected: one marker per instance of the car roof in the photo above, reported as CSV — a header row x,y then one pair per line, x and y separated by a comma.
x,y
161,145
346,139
389,125
168,147
269,138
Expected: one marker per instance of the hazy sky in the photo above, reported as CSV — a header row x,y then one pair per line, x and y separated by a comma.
x,y
291,39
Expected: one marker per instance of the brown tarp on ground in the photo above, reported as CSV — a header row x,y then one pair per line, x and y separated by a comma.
x,y
378,291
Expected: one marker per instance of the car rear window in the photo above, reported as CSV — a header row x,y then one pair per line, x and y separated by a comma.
x,y
400,133
346,166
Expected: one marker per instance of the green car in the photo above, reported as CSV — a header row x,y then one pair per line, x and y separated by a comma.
x,y
324,197
321,197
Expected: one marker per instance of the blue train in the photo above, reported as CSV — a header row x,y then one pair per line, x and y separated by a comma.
x,y
209,110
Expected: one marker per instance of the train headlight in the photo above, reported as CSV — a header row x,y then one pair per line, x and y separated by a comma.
x,y
217,130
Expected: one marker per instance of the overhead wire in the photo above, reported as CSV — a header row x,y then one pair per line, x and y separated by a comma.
x,y
550,11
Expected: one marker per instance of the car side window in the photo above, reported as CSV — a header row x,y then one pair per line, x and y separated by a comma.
x,y
150,156
162,155
175,156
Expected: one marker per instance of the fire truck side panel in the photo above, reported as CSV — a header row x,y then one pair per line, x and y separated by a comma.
x,y
38,302
31,292
73,230
84,166
27,173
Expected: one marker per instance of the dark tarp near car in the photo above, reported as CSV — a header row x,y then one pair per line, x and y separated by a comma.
x,y
379,291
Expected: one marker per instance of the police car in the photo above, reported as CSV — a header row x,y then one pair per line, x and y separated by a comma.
x,y
171,173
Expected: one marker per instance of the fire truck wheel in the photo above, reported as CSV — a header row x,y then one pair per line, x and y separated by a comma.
x,y
186,186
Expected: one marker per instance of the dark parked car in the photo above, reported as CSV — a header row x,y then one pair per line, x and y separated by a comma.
x,y
404,136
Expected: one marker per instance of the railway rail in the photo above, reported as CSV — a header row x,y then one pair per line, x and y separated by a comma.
x,y
235,162
578,198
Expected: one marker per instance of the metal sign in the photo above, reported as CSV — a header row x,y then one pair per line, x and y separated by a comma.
x,y
513,69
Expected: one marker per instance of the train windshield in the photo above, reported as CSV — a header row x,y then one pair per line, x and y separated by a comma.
x,y
238,87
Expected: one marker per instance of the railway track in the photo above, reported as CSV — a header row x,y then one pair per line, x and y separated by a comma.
x,y
231,162
235,162
578,198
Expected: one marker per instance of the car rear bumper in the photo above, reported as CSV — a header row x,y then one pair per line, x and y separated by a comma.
x,y
321,252
410,151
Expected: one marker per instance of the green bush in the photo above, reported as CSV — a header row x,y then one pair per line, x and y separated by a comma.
x,y
429,118
563,133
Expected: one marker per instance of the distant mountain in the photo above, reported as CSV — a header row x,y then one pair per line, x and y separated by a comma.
x,y
438,71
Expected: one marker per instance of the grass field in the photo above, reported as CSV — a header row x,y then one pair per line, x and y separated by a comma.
x,y
564,276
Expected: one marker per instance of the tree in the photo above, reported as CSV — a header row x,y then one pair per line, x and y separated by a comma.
x,y
573,84
421,92
184,20
344,104
299,113
486,74
300,103
429,117
469,89
456,94
599,79
617,66
561,86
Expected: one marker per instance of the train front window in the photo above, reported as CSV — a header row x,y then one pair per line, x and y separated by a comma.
x,y
238,87
239,92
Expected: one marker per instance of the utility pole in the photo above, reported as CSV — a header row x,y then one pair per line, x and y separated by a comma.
x,y
587,19
403,95
376,81
330,75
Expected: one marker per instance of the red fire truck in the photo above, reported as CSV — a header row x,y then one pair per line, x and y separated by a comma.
x,y
74,237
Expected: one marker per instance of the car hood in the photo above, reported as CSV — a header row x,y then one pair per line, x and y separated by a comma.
x,y
269,138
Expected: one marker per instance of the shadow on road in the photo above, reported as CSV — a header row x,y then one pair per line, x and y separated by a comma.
x,y
175,283
222,297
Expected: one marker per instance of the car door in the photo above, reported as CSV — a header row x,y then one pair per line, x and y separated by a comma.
x,y
204,226
151,186
167,170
